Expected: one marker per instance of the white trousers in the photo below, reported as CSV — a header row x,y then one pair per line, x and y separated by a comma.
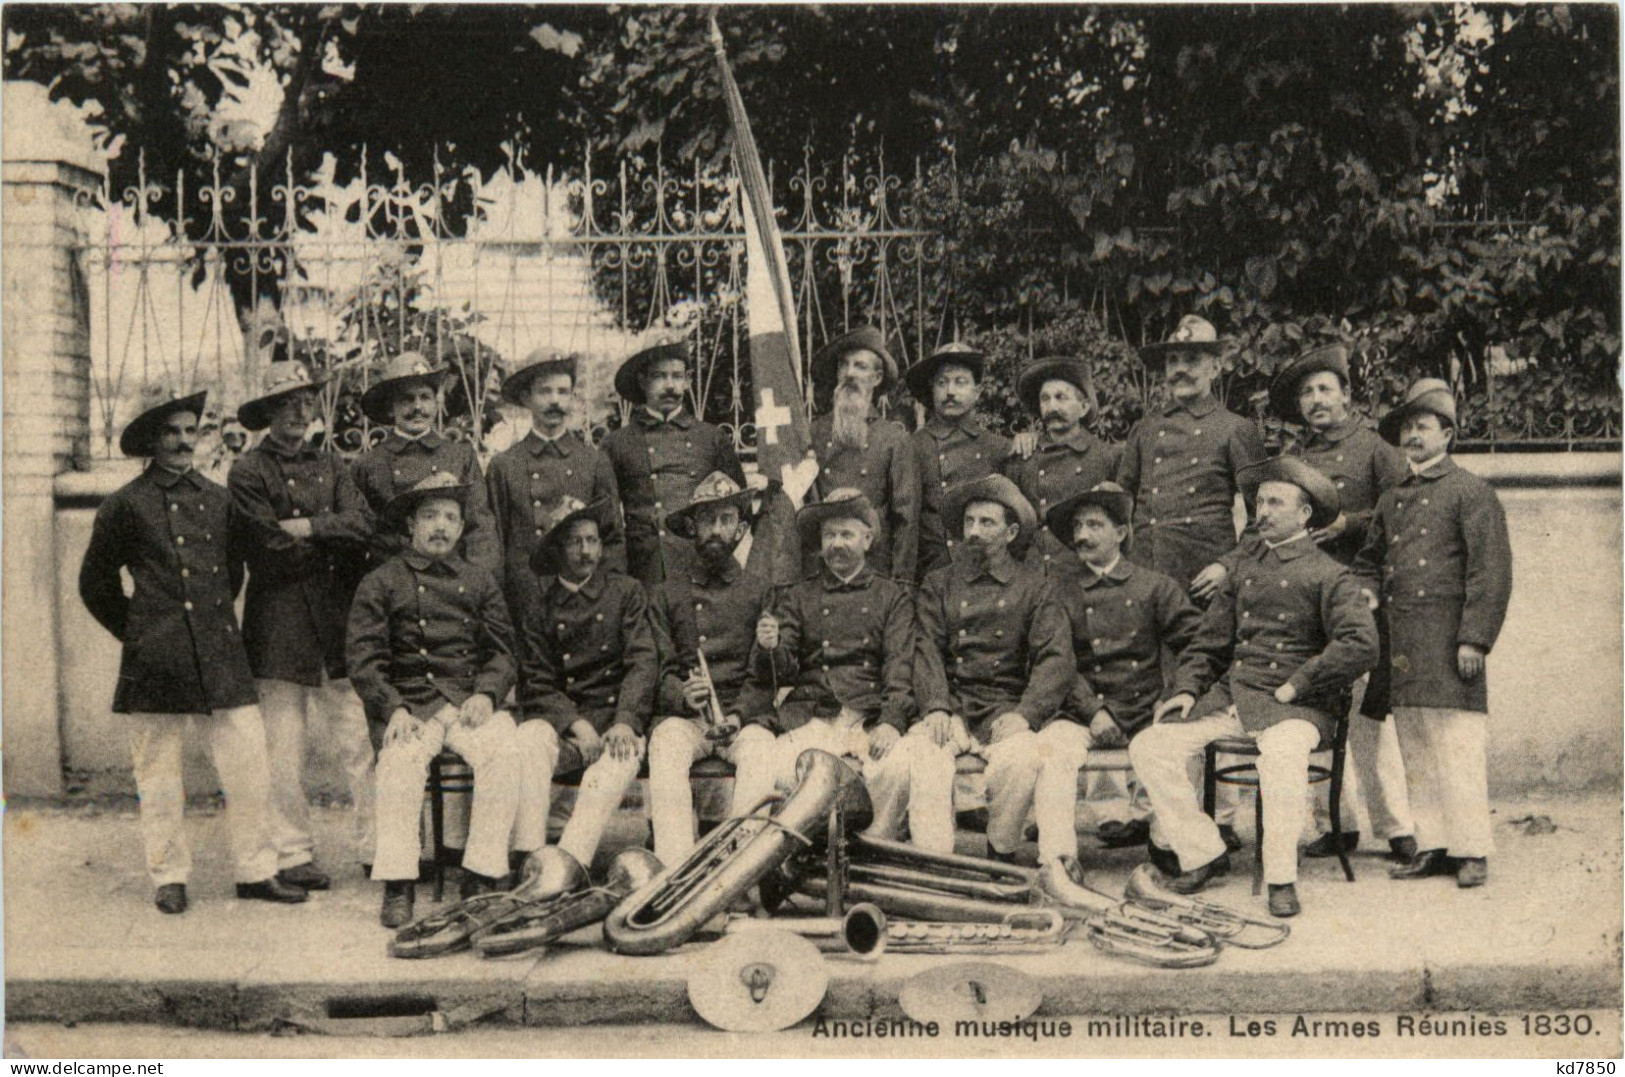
x,y
288,708
675,746
1115,795
1447,778
603,787
1163,756
236,743
403,767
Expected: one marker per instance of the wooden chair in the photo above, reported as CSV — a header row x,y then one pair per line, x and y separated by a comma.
x,y
448,773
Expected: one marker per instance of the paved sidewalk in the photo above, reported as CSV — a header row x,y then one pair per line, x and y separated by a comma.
x,y
83,942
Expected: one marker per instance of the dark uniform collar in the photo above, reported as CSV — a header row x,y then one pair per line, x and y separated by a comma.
x,y
538,445
1118,574
1341,432
1003,574
942,429
1439,470
167,478
398,443
833,582
281,451
647,419
1290,550
1201,409
589,590
1081,441
422,562
730,572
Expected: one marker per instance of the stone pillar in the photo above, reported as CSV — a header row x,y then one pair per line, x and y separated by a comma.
x,y
46,384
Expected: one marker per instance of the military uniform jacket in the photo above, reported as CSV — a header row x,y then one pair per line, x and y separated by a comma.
x,y
526,482
1287,614
718,614
991,642
844,643
1121,621
425,633
1181,466
1363,466
945,455
657,463
888,476
298,589
1054,472
182,653
1438,545
396,465
590,655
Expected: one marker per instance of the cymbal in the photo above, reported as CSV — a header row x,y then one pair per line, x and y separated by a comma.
x,y
970,991
762,981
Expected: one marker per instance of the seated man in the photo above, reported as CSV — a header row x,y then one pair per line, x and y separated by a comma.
x,y
587,683
1285,637
712,611
842,641
430,652
1123,615
992,665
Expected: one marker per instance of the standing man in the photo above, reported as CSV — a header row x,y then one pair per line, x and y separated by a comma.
x,y
992,667
1277,651
303,560
407,399
431,654
1069,460
529,479
1313,389
953,446
658,456
182,656
1438,553
1123,617
857,449
714,611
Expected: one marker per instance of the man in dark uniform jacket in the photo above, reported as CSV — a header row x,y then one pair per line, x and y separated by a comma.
x,y
587,685
182,655
993,665
859,450
1287,635
431,654
714,611
952,446
1069,459
303,560
530,478
406,399
1438,553
659,454
1313,390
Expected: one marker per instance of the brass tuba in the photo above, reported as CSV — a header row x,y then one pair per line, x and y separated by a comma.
x,y
549,919
737,855
549,874
1145,888
1125,929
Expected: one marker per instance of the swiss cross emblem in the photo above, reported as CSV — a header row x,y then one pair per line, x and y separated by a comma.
x,y
771,417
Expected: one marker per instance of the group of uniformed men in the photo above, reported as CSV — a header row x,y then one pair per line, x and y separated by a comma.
x,y
1023,602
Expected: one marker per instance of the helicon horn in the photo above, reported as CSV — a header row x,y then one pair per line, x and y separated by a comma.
x,y
1146,889
549,919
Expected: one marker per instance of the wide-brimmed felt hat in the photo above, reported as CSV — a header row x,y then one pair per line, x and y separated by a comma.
x,y
1076,372
405,369
629,377
544,559
996,488
714,491
1193,334
140,437
281,380
1325,502
1426,394
826,360
539,362
846,503
920,376
1284,386
1118,503
442,484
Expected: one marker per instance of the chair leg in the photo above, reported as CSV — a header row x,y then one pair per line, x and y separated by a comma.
x,y
1258,838
1335,803
437,826
1210,762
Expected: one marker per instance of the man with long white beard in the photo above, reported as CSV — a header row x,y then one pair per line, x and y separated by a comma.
x,y
858,449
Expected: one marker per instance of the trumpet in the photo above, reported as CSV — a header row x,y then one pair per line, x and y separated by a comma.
x,y
718,726
1145,889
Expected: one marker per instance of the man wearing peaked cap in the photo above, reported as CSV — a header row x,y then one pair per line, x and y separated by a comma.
x,y
658,455
407,399
182,657
1438,555
992,667
430,652
952,446
858,449
712,612
304,558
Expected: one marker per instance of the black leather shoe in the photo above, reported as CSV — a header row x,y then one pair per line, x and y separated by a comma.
x,y
1002,858
1472,871
171,898
305,877
974,820
398,901
1284,900
1402,850
1423,864
1326,844
272,889
1163,860
1232,840
1191,881
1114,834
